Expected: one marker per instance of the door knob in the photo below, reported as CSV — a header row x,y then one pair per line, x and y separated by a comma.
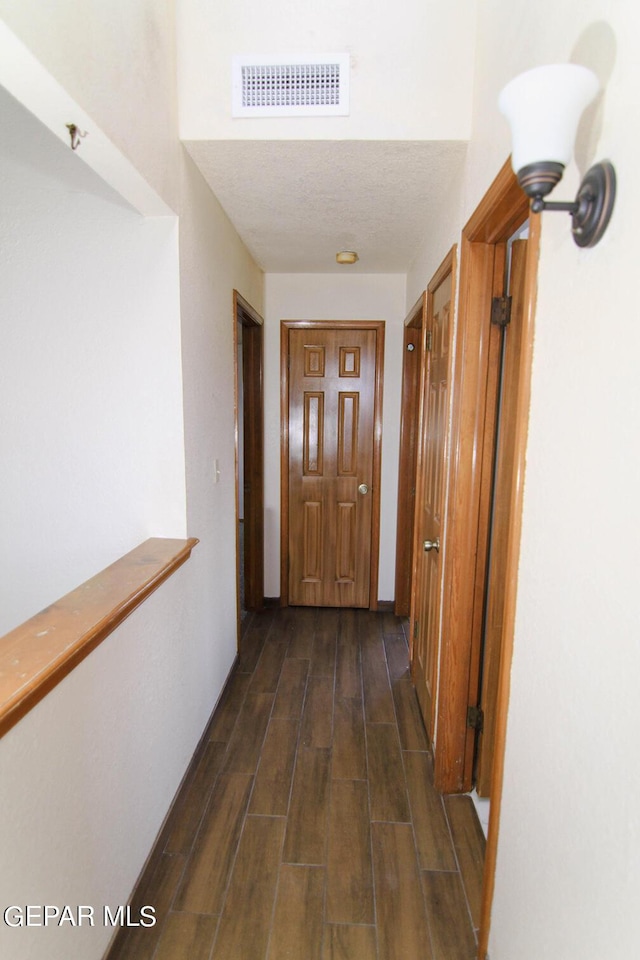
x,y
432,545
363,488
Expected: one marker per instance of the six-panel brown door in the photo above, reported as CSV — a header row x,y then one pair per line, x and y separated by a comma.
x,y
331,470
430,494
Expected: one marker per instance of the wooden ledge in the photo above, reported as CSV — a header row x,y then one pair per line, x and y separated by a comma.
x,y
38,654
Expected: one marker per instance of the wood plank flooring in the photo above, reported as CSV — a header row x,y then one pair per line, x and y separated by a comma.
x,y
310,828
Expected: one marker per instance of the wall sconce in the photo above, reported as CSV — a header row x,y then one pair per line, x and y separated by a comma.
x,y
543,107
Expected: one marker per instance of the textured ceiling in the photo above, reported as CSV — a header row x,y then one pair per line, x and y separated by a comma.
x,y
296,203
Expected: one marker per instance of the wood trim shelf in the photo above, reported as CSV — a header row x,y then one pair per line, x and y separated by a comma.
x,y
37,655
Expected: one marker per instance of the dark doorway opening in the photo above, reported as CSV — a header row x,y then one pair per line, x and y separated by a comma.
x,y
249,423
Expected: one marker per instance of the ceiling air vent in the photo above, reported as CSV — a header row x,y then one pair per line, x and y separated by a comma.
x,y
265,86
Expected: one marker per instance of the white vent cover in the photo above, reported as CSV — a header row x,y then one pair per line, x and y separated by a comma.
x,y
315,86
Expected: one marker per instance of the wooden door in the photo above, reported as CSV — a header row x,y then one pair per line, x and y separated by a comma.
x,y
333,463
500,517
428,542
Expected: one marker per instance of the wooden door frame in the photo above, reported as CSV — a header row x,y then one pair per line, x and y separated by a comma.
x,y
449,266
500,212
485,656
253,454
285,327
414,333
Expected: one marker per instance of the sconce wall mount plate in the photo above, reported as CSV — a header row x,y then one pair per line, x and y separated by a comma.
x,y
594,200
593,206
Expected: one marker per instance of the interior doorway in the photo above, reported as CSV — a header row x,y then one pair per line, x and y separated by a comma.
x,y
481,269
495,507
249,425
462,584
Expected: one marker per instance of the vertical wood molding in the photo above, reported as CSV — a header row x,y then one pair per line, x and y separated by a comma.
x,y
501,211
511,586
377,471
427,574
486,486
284,463
415,326
253,433
468,388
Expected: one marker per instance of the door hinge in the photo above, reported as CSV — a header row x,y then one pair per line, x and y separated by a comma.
x,y
415,629
429,339
475,718
501,311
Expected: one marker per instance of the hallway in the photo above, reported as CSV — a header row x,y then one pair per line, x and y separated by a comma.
x,y
310,828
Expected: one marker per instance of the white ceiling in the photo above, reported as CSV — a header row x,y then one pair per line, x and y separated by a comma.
x,y
295,204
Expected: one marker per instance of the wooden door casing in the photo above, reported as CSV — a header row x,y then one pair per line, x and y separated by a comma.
x,y
413,354
501,521
331,433
425,614
252,452
501,211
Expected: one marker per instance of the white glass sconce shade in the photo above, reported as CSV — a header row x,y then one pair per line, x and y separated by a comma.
x,y
543,107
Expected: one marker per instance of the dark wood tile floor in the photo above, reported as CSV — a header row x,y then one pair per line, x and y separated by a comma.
x,y
310,828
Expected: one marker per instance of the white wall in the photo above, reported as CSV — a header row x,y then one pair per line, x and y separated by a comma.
x,y
569,850
82,797
401,54
91,385
117,60
331,297
87,776
445,233
213,262
568,867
